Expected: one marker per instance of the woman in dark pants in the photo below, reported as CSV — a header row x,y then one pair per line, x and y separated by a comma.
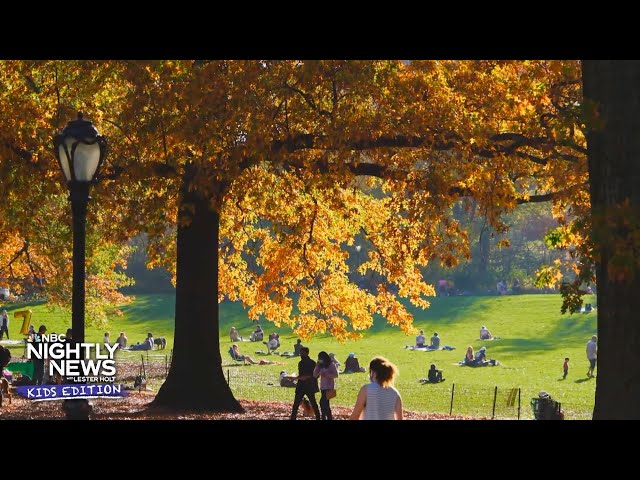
x,y
327,371
4,324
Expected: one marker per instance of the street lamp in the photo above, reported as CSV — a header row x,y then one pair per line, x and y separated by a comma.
x,y
80,150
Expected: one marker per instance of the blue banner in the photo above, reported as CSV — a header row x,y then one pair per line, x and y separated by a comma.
x,y
65,392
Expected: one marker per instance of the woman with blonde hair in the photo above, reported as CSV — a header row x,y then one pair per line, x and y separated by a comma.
x,y
469,357
234,336
379,400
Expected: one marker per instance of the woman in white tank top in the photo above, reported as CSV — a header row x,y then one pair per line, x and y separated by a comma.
x,y
379,400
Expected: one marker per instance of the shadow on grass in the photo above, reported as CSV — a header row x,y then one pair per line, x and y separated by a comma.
x,y
150,308
21,305
508,345
233,365
581,380
442,311
575,325
566,327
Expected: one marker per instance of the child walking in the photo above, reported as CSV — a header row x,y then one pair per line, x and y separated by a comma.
x,y
565,367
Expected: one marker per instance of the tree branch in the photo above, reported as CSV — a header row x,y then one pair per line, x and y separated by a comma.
x,y
309,100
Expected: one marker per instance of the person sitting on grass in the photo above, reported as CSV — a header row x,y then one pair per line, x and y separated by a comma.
x,y
434,375
485,334
481,359
286,380
121,341
481,356
469,357
146,345
296,348
334,360
273,343
352,364
435,342
257,335
420,339
234,336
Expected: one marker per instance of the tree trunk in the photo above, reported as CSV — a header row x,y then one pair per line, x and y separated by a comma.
x,y
614,171
196,380
483,259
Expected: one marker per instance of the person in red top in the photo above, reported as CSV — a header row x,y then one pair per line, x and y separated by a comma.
x,y
565,367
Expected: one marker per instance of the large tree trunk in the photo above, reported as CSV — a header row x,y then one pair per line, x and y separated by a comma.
x,y
196,380
614,171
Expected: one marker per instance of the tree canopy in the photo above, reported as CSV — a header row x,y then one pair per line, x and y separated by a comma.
x,y
301,158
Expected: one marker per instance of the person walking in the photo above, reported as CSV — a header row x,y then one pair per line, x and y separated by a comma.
x,y
327,371
565,367
379,400
4,324
307,384
592,355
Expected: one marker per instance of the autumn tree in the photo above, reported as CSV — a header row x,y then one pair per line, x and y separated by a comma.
x,y
291,161
35,218
258,164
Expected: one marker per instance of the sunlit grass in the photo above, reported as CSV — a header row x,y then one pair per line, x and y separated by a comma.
x,y
535,339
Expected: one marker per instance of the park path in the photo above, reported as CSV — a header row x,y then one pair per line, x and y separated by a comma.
x,y
133,406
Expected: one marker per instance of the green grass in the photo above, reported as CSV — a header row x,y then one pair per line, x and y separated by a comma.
x,y
535,339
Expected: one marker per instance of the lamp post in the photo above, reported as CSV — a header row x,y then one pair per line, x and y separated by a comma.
x,y
80,151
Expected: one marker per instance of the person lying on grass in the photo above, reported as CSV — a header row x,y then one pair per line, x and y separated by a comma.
x,y
235,353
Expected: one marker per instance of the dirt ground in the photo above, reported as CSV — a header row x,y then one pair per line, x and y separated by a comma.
x,y
133,407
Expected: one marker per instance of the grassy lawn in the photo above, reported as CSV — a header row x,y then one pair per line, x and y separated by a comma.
x,y
535,339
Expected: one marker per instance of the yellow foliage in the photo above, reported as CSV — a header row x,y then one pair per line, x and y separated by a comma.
x,y
280,148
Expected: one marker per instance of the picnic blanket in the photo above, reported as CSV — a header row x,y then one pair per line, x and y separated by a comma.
x,y
490,363
425,349
12,342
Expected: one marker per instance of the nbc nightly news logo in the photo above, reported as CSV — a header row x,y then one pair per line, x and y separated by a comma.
x,y
79,363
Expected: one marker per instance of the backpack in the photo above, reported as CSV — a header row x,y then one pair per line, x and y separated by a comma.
x,y
546,408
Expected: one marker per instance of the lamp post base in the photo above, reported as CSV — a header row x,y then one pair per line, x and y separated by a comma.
x,y
77,409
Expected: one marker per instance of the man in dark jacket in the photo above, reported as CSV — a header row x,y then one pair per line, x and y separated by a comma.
x,y
307,384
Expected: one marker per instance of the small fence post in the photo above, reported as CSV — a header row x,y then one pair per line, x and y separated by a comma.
x,y
495,396
518,403
228,378
453,388
143,371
